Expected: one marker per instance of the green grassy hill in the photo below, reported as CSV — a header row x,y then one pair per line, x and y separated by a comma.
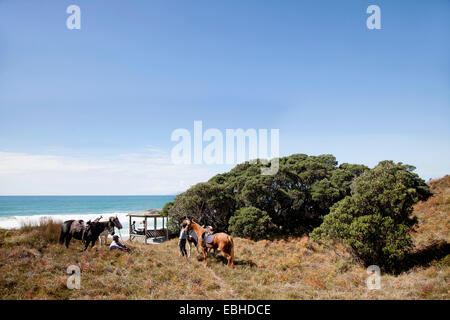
x,y
33,266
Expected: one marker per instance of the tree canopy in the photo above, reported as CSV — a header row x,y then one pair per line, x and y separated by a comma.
x,y
295,199
375,220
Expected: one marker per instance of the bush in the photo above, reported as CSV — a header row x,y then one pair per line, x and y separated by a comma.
x,y
46,229
250,222
375,221
173,225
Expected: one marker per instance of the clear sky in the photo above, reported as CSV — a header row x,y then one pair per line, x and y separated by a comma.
x,y
91,111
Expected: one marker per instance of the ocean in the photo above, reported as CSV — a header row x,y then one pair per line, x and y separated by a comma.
x,y
15,210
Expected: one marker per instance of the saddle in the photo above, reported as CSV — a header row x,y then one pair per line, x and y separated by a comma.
x,y
207,238
79,226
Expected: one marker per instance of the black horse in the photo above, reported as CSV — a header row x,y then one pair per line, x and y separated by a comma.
x,y
86,232
93,231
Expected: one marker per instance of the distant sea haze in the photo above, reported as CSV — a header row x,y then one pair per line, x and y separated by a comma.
x,y
15,210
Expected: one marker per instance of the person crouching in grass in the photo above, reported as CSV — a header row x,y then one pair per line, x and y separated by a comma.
x,y
116,245
182,241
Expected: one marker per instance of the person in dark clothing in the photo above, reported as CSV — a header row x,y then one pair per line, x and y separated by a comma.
x,y
133,228
116,245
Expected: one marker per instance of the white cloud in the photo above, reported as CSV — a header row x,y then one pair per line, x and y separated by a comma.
x,y
125,174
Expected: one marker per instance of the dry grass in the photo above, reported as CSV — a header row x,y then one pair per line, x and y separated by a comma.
x,y
33,266
434,214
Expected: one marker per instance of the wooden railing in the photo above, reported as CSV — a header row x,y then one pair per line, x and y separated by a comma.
x,y
149,234
156,233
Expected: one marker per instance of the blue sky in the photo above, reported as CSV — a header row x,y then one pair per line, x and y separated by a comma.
x,y
91,111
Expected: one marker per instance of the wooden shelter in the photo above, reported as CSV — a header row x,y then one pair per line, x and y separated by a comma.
x,y
147,233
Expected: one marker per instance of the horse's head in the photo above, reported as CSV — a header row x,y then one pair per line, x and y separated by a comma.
x,y
115,221
188,224
110,227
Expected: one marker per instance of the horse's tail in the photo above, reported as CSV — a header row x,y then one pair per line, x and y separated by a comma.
x,y
62,235
230,238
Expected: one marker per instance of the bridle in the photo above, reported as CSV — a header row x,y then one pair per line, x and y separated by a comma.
x,y
110,227
114,222
188,226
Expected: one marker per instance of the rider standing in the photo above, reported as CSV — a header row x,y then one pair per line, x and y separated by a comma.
x,y
182,240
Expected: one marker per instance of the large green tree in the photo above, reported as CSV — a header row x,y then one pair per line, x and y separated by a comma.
x,y
208,203
375,220
295,199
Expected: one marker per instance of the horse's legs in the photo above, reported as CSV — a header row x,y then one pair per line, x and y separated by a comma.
x,y
68,237
62,235
189,249
86,245
226,254
229,258
205,255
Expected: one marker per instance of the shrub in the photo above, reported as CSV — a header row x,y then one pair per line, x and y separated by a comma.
x,y
46,229
250,222
375,221
173,225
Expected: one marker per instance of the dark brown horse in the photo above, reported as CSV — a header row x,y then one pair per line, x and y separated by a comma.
x,y
72,229
222,241
86,232
94,229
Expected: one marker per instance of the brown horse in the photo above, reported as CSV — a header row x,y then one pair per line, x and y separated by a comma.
x,y
222,241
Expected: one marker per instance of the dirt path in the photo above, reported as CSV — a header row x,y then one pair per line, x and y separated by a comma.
x,y
228,291
224,286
